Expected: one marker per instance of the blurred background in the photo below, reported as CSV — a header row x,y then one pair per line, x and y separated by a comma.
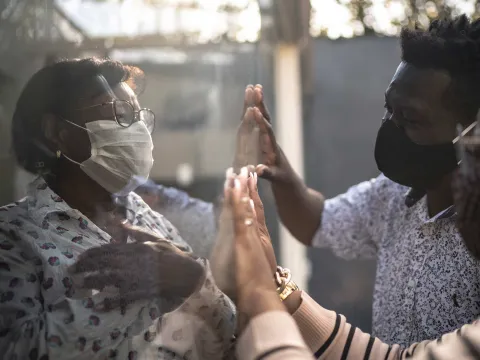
x,y
324,65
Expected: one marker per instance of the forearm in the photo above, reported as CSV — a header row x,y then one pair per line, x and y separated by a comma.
x,y
329,336
299,208
272,335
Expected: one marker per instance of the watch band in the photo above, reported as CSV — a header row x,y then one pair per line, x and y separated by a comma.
x,y
289,289
286,286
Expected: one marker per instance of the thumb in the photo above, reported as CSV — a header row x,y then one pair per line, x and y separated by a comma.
x,y
267,173
140,235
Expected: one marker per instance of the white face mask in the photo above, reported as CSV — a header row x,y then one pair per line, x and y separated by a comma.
x,y
121,157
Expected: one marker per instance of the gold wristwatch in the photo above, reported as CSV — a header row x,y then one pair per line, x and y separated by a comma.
x,y
285,285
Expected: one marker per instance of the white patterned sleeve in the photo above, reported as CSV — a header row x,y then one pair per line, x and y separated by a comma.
x,y
353,222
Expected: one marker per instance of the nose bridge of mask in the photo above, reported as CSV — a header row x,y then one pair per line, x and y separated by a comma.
x,y
108,133
118,154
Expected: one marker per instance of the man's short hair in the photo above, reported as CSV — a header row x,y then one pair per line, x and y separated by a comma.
x,y
452,45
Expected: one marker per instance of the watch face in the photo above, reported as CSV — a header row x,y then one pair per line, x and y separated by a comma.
x,y
290,287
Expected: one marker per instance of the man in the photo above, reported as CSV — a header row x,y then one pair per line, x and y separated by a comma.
x,y
272,333
427,284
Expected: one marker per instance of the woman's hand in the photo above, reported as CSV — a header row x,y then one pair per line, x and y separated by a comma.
x,y
147,269
265,240
256,289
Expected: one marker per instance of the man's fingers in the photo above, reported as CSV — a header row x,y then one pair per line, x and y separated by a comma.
x,y
263,124
118,279
249,99
244,147
260,102
266,172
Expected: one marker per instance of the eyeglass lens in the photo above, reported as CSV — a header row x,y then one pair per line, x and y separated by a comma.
x,y
125,114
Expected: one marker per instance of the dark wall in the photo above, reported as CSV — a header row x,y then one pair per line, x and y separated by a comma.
x,y
351,78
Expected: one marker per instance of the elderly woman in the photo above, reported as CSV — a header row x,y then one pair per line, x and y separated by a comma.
x,y
87,269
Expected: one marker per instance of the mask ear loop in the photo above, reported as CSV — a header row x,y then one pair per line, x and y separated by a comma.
x,y
460,146
460,150
60,154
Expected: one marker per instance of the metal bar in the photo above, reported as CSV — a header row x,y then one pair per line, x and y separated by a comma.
x,y
70,22
120,43
289,131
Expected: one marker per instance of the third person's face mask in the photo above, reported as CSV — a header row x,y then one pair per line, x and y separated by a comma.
x,y
409,164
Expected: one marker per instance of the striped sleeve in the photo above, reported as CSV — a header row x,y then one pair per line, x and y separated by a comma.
x,y
330,337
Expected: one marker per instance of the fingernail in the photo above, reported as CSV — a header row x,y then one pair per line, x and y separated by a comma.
x,y
237,184
255,178
252,205
250,175
229,172
244,172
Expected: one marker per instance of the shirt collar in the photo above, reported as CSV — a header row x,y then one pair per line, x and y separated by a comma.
x,y
444,214
42,201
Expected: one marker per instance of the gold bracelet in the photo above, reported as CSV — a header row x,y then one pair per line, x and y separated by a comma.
x,y
285,285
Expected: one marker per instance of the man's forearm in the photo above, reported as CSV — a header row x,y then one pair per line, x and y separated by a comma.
x,y
299,208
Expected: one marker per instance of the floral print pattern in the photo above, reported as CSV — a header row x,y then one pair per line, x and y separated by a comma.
x,y
427,284
42,315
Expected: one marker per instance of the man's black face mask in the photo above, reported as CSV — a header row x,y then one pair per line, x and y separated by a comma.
x,y
410,164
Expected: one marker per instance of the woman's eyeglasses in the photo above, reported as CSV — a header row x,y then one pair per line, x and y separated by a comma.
x,y
125,114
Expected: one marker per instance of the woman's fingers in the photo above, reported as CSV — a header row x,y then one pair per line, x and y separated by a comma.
x,y
257,201
242,207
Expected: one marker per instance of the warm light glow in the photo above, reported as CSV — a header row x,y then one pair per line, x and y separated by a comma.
x,y
203,23
334,19
207,22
